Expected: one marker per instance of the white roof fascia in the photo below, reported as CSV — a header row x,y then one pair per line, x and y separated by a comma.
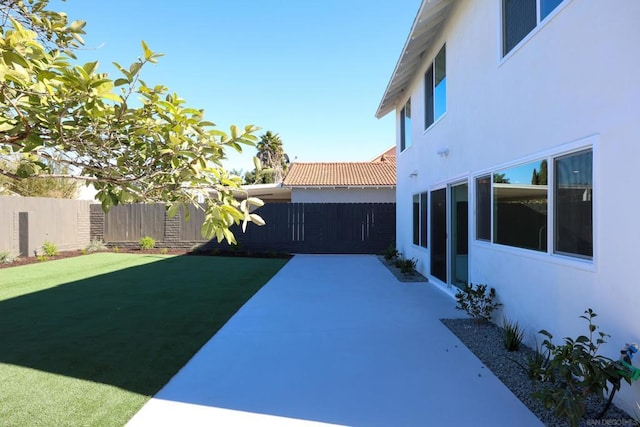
x,y
424,31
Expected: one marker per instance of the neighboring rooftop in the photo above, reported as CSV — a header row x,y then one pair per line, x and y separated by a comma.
x,y
379,173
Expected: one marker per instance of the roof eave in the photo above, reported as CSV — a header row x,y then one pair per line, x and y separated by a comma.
x,y
425,29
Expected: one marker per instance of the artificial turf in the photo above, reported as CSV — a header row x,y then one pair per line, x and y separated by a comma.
x,y
88,340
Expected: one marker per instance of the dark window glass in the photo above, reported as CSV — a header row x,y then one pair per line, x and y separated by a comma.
x,y
519,18
574,204
547,6
435,89
428,98
423,220
416,219
483,208
439,234
520,206
440,84
405,126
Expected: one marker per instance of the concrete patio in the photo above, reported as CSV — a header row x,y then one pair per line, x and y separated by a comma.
x,y
338,340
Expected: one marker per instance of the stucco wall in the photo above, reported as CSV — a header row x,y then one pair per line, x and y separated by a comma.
x,y
343,195
574,83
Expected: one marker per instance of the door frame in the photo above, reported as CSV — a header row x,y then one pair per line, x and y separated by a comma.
x,y
448,187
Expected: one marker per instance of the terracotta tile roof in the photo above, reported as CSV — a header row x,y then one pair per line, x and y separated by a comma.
x,y
380,173
390,155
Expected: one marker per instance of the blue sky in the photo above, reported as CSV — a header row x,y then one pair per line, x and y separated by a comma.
x,y
313,71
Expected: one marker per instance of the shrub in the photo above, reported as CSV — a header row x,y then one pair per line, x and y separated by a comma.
x,y
116,249
7,257
512,335
164,251
42,258
478,304
537,363
575,371
147,243
84,251
96,246
49,248
391,253
408,266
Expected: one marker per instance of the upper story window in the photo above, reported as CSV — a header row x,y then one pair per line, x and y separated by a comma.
x,y
435,87
520,17
405,126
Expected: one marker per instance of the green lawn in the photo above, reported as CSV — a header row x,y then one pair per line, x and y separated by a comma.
x,y
88,340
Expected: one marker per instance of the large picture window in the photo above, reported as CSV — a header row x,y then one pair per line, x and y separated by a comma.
x,y
420,219
435,86
520,17
405,126
521,198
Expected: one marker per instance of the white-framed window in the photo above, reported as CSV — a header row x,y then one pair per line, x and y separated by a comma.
x,y
435,88
420,219
512,205
520,17
405,126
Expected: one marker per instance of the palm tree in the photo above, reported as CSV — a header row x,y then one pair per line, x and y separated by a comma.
x,y
272,157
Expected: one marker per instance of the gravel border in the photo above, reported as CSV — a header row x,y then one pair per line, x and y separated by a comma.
x,y
415,277
485,341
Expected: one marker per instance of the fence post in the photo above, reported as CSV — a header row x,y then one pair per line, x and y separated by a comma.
x,y
23,234
97,223
172,227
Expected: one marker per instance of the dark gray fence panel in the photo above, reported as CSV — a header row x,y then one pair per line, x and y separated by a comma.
x,y
290,227
127,223
190,231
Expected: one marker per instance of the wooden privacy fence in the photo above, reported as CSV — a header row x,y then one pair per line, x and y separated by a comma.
x,y
291,227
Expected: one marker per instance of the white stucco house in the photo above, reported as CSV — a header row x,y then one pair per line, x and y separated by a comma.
x,y
518,129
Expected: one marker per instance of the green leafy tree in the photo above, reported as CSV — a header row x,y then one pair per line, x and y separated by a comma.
x,y
501,178
57,188
540,178
133,141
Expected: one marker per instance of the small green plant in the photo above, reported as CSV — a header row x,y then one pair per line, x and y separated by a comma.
x,y
96,246
512,335
164,251
575,371
408,266
116,249
391,253
537,363
84,251
7,257
50,249
147,243
42,258
477,302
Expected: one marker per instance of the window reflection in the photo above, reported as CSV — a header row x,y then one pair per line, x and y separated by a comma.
x,y
574,204
520,198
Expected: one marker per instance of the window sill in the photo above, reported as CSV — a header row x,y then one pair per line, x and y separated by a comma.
x,y
546,257
438,120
